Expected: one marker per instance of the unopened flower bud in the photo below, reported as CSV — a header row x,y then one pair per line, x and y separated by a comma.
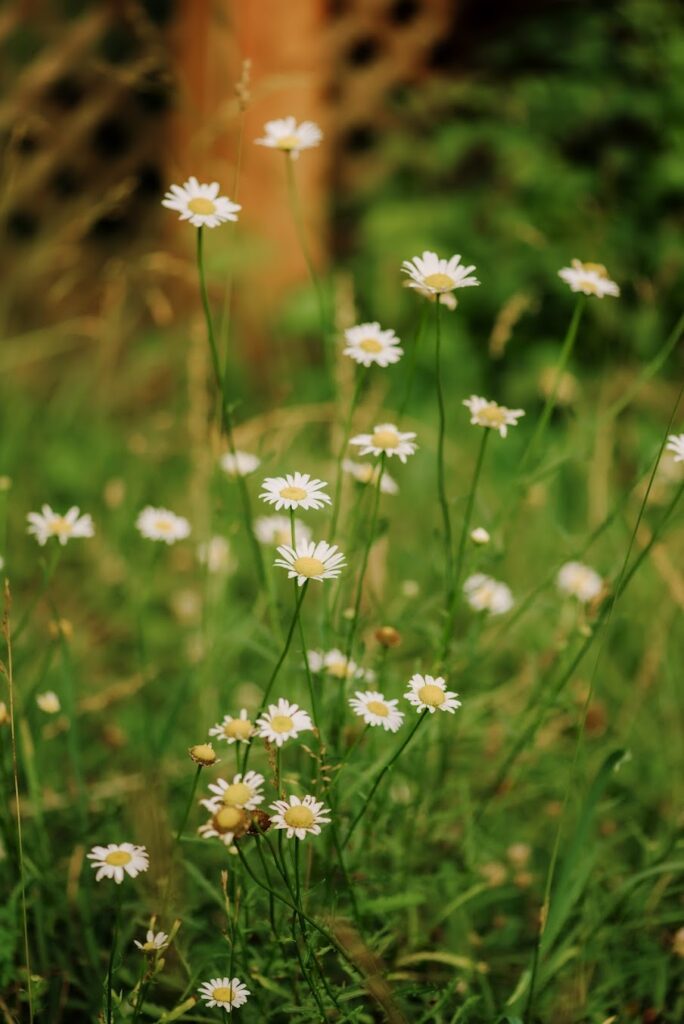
x,y
388,636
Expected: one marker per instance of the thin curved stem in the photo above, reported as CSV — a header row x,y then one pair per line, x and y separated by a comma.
x,y
441,482
346,430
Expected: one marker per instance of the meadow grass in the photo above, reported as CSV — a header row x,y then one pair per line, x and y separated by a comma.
x,y
517,860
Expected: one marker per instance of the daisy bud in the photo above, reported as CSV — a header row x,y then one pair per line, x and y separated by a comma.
x,y
388,636
203,754
479,535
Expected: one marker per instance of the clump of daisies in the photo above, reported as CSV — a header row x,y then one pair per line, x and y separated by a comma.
x,y
290,137
201,204
589,279
161,524
47,523
368,344
485,594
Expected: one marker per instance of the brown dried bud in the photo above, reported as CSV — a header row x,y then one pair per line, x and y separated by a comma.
x,y
260,823
388,636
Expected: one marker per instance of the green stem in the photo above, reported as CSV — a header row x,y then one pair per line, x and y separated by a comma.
x,y
413,360
110,967
467,519
441,483
301,234
549,405
383,771
340,455
177,839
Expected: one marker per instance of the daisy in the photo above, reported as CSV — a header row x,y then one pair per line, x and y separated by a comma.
x,y
334,663
429,273
365,473
46,524
368,343
48,702
428,693
589,278
203,754
447,299
484,413
228,993
479,535
376,710
227,824
675,443
216,555
239,464
160,524
386,439
289,136
277,530
485,594
153,943
118,859
299,817
580,581
296,490
243,791
234,730
283,721
310,561
200,204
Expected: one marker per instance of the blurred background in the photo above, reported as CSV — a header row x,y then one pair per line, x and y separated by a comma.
x,y
520,134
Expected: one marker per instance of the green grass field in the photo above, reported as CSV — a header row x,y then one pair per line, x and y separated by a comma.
x,y
518,860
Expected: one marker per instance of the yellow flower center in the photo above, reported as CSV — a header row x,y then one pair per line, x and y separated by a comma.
x,y
163,525
596,268
293,493
493,415
281,723
338,669
222,994
308,567
60,526
365,474
431,695
385,439
288,142
442,282
227,818
237,794
370,345
117,858
299,816
202,205
378,708
238,729
203,753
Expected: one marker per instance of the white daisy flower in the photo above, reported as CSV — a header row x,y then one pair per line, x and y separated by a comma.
x,y
300,817
296,490
368,344
161,524
118,859
310,561
479,535
228,993
153,943
484,413
386,439
366,473
675,444
289,136
485,594
48,702
447,299
334,663
200,204
234,730
216,555
244,791
429,693
589,278
46,524
277,530
375,709
429,273
240,464
580,581
283,721
226,823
